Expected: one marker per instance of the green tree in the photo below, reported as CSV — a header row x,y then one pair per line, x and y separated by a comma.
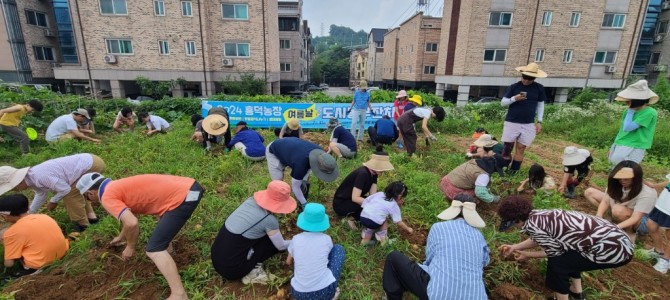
x,y
247,85
662,89
155,89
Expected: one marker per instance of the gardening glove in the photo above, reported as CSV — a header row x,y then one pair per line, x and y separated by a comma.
x,y
432,137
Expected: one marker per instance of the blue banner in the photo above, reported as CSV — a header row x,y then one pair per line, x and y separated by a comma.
x,y
310,115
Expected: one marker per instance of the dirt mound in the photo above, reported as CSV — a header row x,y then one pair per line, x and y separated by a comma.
x,y
509,292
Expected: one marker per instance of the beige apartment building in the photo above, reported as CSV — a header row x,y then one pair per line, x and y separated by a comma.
x,y
578,43
295,47
358,66
411,54
375,56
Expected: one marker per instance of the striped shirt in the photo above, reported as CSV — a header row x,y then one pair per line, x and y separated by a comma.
x,y
56,175
456,254
596,239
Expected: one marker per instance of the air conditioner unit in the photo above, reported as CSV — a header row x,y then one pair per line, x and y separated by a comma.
x,y
665,5
48,33
110,59
228,62
610,69
658,38
660,68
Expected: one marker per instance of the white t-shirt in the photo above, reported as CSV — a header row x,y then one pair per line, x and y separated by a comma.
x,y
423,112
61,125
663,202
158,123
377,209
643,202
310,252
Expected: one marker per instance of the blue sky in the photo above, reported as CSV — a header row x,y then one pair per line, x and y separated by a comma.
x,y
361,14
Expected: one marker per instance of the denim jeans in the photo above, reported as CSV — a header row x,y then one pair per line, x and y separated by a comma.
x,y
358,122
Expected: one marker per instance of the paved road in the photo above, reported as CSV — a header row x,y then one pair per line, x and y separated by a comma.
x,y
339,91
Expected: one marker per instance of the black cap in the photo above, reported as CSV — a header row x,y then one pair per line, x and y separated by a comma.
x,y
241,123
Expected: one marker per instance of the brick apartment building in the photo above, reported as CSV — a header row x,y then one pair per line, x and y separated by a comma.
x,y
375,56
579,43
295,47
411,53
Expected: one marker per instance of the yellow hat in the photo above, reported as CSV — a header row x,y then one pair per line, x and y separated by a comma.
x,y
416,99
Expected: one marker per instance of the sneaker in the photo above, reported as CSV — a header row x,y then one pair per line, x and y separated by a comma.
x,y
337,293
400,145
652,253
662,265
257,275
576,296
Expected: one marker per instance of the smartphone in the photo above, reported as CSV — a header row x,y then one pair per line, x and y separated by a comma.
x,y
524,94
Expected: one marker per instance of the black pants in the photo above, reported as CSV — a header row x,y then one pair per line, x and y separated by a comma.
x,y
172,221
568,265
230,253
382,139
401,274
346,208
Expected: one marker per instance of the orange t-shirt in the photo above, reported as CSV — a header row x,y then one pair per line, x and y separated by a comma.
x,y
37,239
149,194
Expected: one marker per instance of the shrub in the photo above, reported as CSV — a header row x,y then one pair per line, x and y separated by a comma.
x,y
587,95
247,85
662,88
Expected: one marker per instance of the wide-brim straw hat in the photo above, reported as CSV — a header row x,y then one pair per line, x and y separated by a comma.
x,y
468,207
11,177
364,84
215,124
276,198
532,70
573,156
401,94
624,173
313,218
323,165
379,163
485,140
293,124
637,91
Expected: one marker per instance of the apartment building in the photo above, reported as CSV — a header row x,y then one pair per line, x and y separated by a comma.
x,y
295,46
411,59
653,54
578,43
375,56
358,66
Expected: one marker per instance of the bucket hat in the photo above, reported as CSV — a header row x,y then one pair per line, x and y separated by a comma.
x,y
532,70
573,156
215,124
276,198
379,163
637,91
401,94
485,140
364,84
466,205
88,180
293,124
11,177
82,112
313,218
323,165
416,99
624,173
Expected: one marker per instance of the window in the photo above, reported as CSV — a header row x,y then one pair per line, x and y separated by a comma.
x,y
159,7
567,56
235,11
44,53
115,46
539,55
190,48
163,47
36,18
236,49
431,47
662,27
284,67
284,44
546,18
604,57
113,7
186,9
655,58
428,69
574,19
500,19
614,20
288,24
494,55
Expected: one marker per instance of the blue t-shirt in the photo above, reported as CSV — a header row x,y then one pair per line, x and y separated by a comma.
x,y
344,137
361,99
252,140
294,153
523,112
385,127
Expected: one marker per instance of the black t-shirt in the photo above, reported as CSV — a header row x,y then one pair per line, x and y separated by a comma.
x,y
360,178
523,112
582,169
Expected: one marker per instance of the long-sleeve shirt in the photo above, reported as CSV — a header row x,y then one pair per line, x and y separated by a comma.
x,y
252,140
56,175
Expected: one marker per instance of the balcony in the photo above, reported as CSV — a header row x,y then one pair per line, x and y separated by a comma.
x,y
288,10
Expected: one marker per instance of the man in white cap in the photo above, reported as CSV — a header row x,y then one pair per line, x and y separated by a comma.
x,y
638,124
525,100
65,127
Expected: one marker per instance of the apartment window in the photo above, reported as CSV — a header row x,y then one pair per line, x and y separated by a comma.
x,y
235,11
113,7
190,48
662,27
546,18
163,47
411,48
614,20
604,57
186,9
574,19
159,7
117,46
428,69
44,53
285,67
567,56
655,58
494,55
500,19
36,18
236,49
539,55
284,44
431,47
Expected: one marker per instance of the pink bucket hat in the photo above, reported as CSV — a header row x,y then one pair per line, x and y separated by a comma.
x,y
276,198
401,94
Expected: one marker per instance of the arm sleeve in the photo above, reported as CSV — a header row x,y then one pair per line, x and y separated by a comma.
x,y
283,130
234,141
628,123
38,201
540,111
483,193
296,185
279,242
507,101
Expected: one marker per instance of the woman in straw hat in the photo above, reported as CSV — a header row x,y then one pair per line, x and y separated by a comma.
x,y
360,183
251,235
291,128
525,100
575,160
456,254
485,146
629,199
573,242
638,124
472,178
